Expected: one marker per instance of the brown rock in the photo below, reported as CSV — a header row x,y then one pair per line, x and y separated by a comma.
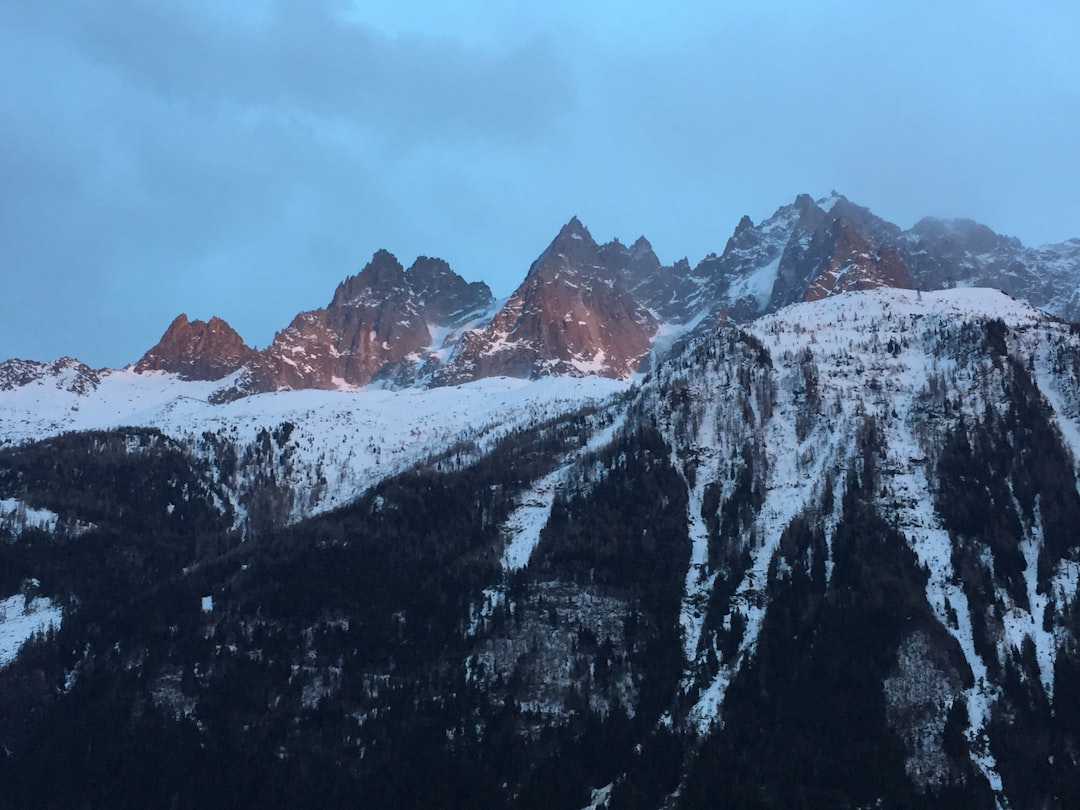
x,y
197,350
572,315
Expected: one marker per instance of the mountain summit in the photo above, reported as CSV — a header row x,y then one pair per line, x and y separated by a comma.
x,y
585,308
824,554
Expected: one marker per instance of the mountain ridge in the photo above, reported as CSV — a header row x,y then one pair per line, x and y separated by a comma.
x,y
828,554
598,308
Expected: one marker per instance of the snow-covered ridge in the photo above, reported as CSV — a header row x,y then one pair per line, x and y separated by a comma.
x,y
826,369
340,442
968,303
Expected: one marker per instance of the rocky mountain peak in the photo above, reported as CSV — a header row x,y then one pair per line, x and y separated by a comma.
x,y
590,308
573,249
443,295
197,350
854,263
381,276
642,247
575,313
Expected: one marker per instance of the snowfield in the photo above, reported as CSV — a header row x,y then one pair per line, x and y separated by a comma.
x,y
341,442
872,354
19,620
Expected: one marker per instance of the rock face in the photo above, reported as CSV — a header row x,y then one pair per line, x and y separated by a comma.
x,y
959,252
65,374
805,251
385,323
811,249
197,350
573,315
854,264
588,308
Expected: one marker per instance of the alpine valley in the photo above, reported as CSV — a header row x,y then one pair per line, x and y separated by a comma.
x,y
798,526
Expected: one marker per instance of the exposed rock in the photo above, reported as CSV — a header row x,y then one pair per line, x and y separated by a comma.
x,y
66,374
854,264
586,308
382,323
572,315
197,350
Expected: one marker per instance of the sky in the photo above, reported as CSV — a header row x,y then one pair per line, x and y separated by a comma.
x,y
240,159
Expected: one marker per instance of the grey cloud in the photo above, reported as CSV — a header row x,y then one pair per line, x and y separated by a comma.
x,y
309,60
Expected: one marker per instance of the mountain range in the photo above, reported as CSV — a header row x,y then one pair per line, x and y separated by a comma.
x,y
588,308
794,527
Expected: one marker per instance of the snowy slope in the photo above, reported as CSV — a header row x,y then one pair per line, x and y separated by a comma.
x,y
340,443
20,619
827,369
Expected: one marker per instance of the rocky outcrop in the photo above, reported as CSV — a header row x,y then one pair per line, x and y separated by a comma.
x,y
383,323
589,308
65,374
197,350
573,315
855,264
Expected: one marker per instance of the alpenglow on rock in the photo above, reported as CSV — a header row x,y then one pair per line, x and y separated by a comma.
x,y
611,310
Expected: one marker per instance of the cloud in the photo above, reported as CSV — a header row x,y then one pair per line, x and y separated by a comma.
x,y
158,157
240,158
312,61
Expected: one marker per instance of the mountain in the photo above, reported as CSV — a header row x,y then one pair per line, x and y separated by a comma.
x,y
573,314
824,558
944,253
197,350
801,536
384,323
605,309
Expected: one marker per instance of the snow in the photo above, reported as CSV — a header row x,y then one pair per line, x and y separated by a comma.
x,y
20,621
525,523
17,516
758,285
599,798
348,439
1023,623
208,604
874,353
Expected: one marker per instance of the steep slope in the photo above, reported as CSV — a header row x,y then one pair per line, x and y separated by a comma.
x,y
385,323
811,249
573,314
861,515
805,251
825,560
197,350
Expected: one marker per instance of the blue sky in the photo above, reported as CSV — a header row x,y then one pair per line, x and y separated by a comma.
x,y
241,159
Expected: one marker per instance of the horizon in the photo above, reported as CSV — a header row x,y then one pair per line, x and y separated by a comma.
x,y
498,299
241,159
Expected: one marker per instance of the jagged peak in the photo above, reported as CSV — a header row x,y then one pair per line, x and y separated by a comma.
x,y
641,245
572,240
574,228
383,273
745,224
804,202
183,323
830,201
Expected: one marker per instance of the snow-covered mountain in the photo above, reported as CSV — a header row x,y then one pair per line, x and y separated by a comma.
x,y
793,527
610,310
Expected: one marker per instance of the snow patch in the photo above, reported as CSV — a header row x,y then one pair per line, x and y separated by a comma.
x,y
20,619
